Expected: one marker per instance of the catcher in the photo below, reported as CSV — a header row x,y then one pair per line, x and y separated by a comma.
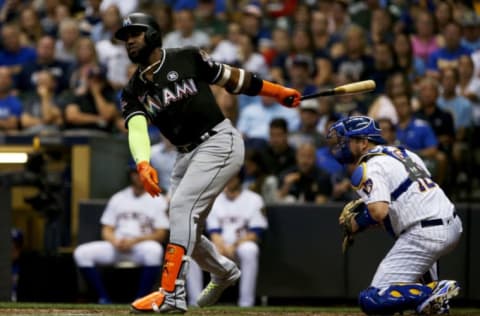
x,y
398,193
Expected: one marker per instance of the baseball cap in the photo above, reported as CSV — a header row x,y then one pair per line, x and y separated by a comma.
x,y
310,105
252,9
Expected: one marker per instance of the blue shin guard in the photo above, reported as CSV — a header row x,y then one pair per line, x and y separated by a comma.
x,y
393,299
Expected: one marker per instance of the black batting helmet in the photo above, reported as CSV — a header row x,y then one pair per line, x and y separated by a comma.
x,y
143,22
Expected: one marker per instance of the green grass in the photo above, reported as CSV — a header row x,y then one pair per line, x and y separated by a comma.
x,y
46,309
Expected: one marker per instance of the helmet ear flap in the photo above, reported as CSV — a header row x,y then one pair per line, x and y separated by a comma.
x,y
153,38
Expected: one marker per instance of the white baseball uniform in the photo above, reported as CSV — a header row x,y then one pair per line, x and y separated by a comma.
x,y
422,217
131,217
232,219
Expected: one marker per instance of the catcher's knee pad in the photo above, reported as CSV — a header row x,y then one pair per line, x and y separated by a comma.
x,y
393,299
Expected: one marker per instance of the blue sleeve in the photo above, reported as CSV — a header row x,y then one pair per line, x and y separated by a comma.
x,y
16,106
430,140
432,61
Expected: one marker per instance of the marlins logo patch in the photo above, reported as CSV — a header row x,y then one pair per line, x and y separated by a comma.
x,y
172,75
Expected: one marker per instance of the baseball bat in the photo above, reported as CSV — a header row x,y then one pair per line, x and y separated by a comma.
x,y
349,88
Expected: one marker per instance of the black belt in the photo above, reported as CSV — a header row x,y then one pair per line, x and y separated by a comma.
x,y
191,146
435,221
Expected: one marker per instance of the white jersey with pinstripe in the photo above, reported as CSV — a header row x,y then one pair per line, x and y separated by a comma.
x,y
423,199
417,248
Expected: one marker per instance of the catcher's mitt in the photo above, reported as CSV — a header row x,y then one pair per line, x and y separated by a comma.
x,y
350,210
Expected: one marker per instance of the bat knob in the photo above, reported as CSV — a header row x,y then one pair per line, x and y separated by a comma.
x,y
288,101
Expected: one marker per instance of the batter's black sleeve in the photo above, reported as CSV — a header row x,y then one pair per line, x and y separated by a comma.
x,y
234,80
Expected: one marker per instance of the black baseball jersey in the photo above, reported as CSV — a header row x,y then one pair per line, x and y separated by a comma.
x,y
178,100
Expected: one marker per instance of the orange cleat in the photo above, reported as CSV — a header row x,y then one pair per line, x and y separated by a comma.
x,y
146,304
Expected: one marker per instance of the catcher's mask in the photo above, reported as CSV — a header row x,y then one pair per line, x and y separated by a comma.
x,y
144,23
341,131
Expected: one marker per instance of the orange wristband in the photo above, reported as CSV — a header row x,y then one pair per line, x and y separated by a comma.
x,y
270,89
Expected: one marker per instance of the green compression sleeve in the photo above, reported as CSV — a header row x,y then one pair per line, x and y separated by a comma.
x,y
138,138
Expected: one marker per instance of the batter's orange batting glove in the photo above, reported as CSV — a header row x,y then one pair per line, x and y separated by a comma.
x,y
285,96
148,176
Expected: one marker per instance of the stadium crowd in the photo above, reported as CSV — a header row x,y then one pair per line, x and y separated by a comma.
x,y
61,71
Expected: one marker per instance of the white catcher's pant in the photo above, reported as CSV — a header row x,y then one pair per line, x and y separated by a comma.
x,y
247,257
416,251
145,253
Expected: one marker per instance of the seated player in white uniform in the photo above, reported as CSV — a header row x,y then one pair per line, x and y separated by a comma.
x,y
235,225
134,225
398,193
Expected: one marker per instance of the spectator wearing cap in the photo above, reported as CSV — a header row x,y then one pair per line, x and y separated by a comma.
x,y
471,30
185,33
448,56
308,129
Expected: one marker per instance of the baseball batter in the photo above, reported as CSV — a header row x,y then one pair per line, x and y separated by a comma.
x,y
399,194
171,90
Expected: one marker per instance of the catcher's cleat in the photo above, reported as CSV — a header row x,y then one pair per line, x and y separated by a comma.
x,y
215,288
437,302
146,304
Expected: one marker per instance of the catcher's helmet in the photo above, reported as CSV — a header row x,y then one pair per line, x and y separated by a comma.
x,y
353,127
144,22
358,127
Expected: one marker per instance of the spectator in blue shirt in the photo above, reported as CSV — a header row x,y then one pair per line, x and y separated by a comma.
x,y
413,133
13,54
448,56
254,120
417,135
459,106
10,105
